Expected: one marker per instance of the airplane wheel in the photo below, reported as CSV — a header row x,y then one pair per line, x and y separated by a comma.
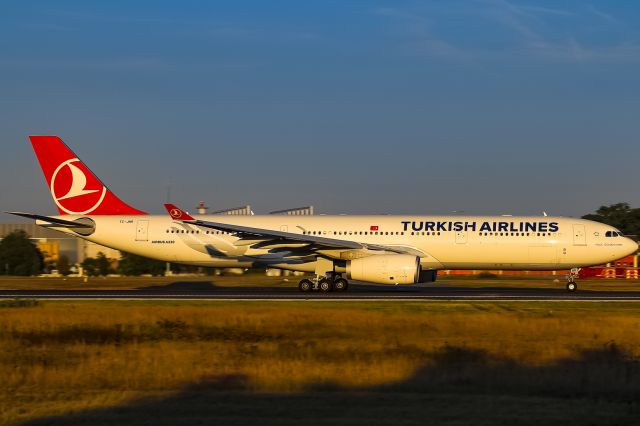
x,y
572,286
340,284
325,285
305,285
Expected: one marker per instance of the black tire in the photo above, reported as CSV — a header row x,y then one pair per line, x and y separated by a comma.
x,y
305,286
325,285
572,286
340,284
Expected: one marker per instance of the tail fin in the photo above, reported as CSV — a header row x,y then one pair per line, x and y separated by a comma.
x,y
74,188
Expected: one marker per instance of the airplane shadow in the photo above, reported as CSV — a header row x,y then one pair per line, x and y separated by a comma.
x,y
437,289
180,286
446,288
454,386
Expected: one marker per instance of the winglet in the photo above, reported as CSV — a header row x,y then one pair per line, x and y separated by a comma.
x,y
176,213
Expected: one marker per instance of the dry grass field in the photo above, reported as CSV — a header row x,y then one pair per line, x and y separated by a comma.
x,y
312,362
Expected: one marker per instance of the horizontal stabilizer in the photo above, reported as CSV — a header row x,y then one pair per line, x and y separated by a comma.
x,y
53,220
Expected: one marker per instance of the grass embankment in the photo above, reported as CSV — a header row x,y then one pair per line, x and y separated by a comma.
x,y
313,362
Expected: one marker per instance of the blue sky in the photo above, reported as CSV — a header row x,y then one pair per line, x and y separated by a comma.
x,y
407,107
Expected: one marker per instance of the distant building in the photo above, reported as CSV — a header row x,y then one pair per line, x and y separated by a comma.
x,y
236,211
298,211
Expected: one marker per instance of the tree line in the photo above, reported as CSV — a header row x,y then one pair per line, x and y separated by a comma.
x,y
20,256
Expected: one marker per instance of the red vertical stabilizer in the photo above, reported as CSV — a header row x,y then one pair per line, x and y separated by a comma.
x,y
74,188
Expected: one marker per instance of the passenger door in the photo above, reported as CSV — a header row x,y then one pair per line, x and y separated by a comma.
x,y
142,230
579,235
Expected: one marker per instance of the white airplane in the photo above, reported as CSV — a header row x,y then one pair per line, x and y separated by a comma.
x,y
377,249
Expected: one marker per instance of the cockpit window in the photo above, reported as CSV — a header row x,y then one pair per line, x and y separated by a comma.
x,y
613,234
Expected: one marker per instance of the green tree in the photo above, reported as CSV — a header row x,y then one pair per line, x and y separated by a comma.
x,y
89,266
19,256
63,265
103,264
619,215
99,265
131,264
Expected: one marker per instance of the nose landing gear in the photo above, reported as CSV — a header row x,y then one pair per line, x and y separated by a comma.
x,y
571,280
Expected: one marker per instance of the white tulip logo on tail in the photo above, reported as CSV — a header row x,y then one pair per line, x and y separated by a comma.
x,y
74,189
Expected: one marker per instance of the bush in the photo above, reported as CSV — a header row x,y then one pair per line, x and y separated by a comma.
x,y
19,303
486,275
131,264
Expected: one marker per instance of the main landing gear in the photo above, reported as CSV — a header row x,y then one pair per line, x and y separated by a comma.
x,y
330,282
572,285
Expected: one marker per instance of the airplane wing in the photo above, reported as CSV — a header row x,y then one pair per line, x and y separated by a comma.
x,y
61,223
282,236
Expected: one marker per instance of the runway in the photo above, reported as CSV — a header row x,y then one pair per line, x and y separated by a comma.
x,y
356,292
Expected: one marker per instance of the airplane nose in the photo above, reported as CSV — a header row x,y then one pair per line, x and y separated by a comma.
x,y
631,246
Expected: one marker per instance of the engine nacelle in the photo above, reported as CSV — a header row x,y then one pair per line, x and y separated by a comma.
x,y
385,269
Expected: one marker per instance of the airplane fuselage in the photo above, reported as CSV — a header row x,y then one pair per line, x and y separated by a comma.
x,y
440,242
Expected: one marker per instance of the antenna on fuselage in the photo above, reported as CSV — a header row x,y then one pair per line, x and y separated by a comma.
x,y
544,214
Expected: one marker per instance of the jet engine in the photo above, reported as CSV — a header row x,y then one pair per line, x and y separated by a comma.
x,y
385,269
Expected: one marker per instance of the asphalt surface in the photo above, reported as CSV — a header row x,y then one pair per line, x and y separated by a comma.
x,y
206,290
